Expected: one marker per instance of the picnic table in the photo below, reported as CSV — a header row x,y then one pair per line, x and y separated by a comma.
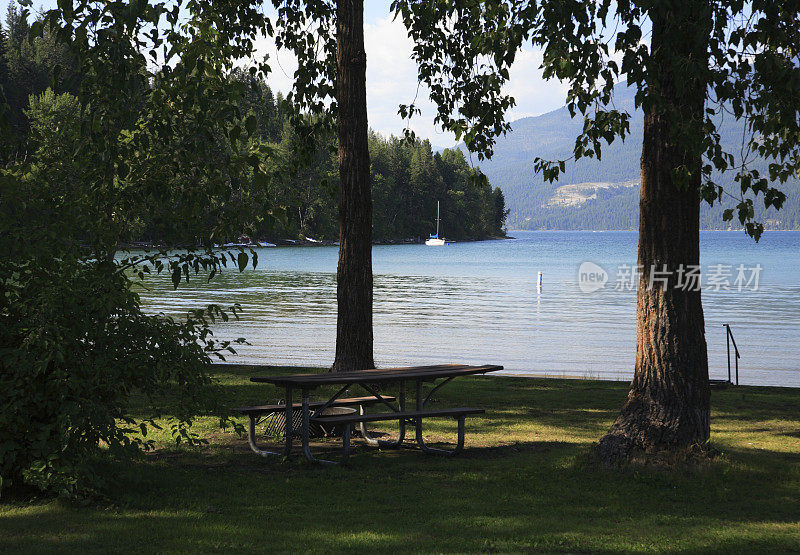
x,y
372,381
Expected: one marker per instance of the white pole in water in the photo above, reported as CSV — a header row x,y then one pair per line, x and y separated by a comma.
x,y
539,280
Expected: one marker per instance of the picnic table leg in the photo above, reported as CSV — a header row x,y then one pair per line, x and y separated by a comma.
x,y
401,434
251,439
418,421
251,431
289,426
306,434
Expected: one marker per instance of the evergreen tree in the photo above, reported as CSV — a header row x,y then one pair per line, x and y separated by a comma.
x,y
500,212
3,58
4,86
31,68
16,27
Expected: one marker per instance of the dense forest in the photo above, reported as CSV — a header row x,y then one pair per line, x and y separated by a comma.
x,y
39,82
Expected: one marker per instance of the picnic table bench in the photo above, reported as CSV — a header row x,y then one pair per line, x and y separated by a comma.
x,y
256,412
371,381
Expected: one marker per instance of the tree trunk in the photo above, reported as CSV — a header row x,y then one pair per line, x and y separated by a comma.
x,y
667,408
354,276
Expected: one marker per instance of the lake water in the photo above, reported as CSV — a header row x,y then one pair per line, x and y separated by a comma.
x,y
479,303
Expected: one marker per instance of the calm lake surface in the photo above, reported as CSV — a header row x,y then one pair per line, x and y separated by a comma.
x,y
479,303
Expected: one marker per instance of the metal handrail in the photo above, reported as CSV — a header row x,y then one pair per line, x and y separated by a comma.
x,y
729,338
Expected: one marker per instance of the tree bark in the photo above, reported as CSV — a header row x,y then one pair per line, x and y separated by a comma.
x,y
667,408
354,275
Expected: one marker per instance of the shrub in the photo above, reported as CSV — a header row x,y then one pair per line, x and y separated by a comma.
x,y
75,351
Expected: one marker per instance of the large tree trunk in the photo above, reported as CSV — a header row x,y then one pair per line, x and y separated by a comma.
x,y
667,409
354,276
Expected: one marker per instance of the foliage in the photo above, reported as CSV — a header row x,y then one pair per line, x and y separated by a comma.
x,y
30,67
408,179
76,346
308,30
4,83
404,190
175,170
130,121
752,74
463,51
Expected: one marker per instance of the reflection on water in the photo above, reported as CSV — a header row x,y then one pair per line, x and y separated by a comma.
x,y
478,303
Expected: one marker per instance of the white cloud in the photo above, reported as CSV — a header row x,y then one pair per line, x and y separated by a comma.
x,y
392,80
282,63
533,94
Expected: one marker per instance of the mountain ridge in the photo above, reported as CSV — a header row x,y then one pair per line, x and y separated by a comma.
x,y
614,202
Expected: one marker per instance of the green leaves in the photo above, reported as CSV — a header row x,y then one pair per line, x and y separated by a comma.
x,y
143,144
76,346
251,124
463,51
751,72
176,275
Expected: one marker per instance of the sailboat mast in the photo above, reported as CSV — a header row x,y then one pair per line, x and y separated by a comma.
x,y
437,218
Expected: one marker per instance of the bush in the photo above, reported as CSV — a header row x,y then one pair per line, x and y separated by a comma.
x,y
75,350
78,357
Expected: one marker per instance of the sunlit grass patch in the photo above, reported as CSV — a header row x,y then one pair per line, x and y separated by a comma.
x,y
524,482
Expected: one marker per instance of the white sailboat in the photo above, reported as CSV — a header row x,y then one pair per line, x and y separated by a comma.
x,y
434,240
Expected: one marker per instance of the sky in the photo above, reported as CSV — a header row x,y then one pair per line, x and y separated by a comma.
x,y
392,77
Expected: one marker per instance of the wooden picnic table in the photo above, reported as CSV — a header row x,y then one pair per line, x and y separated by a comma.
x,y
369,380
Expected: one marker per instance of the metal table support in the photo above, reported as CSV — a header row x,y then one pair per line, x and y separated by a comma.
x,y
418,421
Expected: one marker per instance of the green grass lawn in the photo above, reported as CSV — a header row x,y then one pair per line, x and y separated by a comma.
x,y
523,482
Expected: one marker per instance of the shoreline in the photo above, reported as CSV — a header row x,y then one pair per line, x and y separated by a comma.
x,y
275,243
307,242
497,375
633,230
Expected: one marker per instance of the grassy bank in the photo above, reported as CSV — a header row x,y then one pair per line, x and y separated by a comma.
x,y
522,483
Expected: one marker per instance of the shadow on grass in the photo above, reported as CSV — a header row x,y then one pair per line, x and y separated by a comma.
x,y
524,482
537,495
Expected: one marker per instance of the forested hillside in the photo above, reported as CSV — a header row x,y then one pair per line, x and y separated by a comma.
x,y
298,200
597,194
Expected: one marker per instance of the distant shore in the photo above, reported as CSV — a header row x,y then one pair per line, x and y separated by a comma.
x,y
308,242
616,230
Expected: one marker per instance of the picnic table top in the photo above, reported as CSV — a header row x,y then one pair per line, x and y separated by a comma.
x,y
376,375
